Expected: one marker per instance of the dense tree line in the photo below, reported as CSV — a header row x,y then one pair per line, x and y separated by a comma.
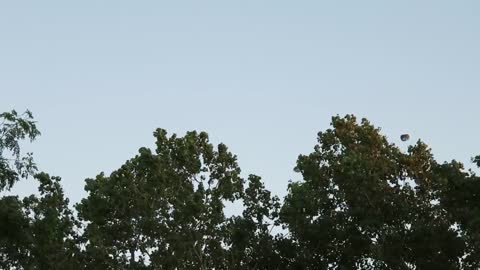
x,y
362,203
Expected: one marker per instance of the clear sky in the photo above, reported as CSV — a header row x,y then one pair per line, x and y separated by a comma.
x,y
261,76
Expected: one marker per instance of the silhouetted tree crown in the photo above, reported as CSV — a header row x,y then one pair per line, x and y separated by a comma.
x,y
361,203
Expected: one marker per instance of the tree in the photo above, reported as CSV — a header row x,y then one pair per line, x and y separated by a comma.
x,y
364,204
52,227
36,232
14,222
162,210
252,245
460,197
14,241
13,129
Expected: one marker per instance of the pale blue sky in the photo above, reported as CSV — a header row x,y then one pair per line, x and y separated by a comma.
x,y
261,76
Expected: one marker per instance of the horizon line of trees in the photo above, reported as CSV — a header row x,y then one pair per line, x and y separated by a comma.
x,y
362,203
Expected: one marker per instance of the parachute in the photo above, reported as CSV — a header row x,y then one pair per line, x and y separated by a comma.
x,y
404,137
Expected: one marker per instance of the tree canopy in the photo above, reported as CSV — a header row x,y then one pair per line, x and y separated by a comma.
x,y
14,128
361,202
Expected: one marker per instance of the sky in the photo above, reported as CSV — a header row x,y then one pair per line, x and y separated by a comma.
x,y
263,77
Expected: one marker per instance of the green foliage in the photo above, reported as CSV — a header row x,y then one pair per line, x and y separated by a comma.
x,y
52,227
13,129
249,236
165,207
362,203
38,232
14,239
